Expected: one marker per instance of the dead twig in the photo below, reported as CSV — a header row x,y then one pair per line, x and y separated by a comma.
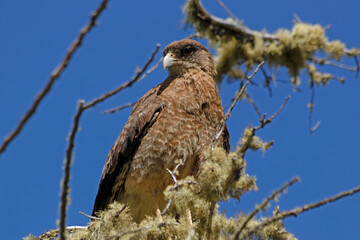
x,y
263,122
116,109
174,180
54,75
136,78
237,97
227,10
264,204
268,80
252,102
177,184
323,61
311,110
88,216
153,68
296,211
357,65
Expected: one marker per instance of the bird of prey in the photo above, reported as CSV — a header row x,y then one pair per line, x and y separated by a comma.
x,y
178,119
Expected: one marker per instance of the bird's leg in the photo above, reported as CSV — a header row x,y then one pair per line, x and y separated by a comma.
x,y
188,216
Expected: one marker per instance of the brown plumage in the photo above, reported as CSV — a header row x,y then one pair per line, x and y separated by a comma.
x,y
177,119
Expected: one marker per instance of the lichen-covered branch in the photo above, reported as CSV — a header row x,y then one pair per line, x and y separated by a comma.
x,y
263,205
296,211
293,49
52,234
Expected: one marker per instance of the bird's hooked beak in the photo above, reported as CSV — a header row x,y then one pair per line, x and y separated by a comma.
x,y
169,60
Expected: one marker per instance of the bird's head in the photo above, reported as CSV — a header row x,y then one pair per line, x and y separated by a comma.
x,y
180,56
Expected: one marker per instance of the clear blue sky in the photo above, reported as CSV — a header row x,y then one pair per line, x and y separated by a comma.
x,y
34,38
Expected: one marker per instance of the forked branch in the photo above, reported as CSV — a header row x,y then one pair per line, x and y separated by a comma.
x,y
237,97
296,211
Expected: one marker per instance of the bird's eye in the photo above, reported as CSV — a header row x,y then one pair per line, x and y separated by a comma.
x,y
187,51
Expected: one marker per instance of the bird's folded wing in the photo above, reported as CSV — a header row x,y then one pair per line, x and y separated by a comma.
x,y
118,162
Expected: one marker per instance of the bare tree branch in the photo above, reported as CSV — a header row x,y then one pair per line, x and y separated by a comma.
x,y
311,110
54,75
228,113
252,102
264,204
136,78
323,61
177,184
263,122
67,166
118,108
296,211
227,10
88,216
173,178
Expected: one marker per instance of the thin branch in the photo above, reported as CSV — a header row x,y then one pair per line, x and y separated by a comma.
x,y
136,78
173,178
267,81
67,166
228,113
252,102
118,108
153,68
88,216
297,19
311,110
357,65
176,186
264,121
264,204
227,10
55,74
323,61
296,211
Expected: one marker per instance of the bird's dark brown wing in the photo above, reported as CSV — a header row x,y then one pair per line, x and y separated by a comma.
x,y
114,174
